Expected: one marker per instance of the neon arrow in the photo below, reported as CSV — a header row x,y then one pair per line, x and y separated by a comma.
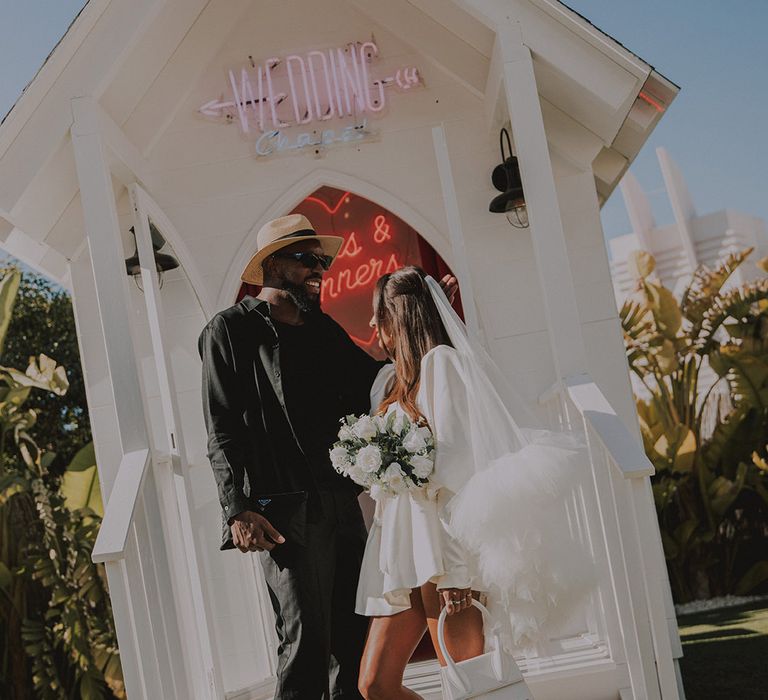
x,y
215,108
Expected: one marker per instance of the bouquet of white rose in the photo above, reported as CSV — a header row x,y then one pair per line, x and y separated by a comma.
x,y
390,452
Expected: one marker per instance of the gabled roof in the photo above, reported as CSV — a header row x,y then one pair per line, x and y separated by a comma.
x,y
597,96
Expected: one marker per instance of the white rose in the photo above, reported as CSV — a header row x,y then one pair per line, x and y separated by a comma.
x,y
345,433
340,459
358,475
414,441
425,432
393,477
399,423
369,458
365,428
422,466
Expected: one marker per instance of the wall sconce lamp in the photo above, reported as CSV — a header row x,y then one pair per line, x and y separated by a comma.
x,y
506,179
163,261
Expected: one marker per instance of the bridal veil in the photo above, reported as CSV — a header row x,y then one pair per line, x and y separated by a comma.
x,y
510,496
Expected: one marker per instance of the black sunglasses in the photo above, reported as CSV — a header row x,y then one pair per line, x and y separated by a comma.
x,y
309,260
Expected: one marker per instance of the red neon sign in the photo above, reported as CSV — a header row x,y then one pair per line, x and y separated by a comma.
x,y
375,242
651,101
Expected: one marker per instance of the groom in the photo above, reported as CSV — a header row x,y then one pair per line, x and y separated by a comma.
x,y
278,374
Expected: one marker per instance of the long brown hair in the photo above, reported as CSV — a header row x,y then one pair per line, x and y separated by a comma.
x,y
403,307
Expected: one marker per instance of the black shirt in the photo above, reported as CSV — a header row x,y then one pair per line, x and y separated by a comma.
x,y
312,375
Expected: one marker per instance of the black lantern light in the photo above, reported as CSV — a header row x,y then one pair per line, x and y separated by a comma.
x,y
506,179
163,261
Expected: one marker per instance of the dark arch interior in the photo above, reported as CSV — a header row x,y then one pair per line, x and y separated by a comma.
x,y
376,242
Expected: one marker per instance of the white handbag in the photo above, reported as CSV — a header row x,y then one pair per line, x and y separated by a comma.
x,y
491,675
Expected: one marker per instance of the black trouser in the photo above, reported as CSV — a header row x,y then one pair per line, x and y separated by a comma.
x,y
321,638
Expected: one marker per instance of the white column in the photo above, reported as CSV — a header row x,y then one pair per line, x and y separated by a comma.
x,y
146,626
177,476
106,248
546,229
455,230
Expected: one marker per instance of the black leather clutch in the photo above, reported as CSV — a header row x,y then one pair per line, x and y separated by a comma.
x,y
287,512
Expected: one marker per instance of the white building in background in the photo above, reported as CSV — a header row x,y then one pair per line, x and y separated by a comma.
x,y
691,240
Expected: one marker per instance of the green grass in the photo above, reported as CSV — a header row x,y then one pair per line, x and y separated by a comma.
x,y
726,653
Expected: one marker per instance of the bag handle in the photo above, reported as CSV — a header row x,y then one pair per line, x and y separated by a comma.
x,y
457,676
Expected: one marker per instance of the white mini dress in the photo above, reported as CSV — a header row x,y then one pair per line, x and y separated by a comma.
x,y
408,543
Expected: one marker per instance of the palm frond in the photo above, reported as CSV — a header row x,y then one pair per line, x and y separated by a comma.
x,y
735,304
706,285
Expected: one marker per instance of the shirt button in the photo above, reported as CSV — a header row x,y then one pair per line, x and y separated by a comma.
x,y
277,375
226,507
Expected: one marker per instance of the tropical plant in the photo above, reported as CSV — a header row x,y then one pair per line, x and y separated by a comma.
x,y
707,442
43,319
58,638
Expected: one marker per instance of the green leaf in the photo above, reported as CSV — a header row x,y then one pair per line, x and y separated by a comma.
x,y
640,264
684,532
6,577
9,287
671,550
666,311
85,458
81,490
753,578
678,446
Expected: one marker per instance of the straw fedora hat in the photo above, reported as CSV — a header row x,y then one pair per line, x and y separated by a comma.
x,y
280,233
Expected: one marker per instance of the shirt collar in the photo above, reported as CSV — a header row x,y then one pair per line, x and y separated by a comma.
x,y
250,303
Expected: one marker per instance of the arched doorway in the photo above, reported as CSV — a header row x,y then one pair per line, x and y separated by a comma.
x,y
375,242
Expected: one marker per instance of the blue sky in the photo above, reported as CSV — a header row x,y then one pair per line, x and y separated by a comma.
x,y
715,50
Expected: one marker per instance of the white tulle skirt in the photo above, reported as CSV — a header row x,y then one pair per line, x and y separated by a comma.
x,y
512,517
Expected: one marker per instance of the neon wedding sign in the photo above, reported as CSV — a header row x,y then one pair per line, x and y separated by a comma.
x,y
308,89
362,273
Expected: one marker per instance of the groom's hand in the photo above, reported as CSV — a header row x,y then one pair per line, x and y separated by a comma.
x,y
252,532
450,286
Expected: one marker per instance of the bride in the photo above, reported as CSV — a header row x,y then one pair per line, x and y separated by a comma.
x,y
480,525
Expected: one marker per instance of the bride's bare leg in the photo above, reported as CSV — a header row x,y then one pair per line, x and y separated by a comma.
x,y
391,643
463,630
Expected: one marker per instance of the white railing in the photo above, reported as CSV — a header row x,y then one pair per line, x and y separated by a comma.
x,y
640,617
131,546
112,539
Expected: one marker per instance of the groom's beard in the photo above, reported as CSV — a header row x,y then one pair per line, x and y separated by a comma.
x,y
298,294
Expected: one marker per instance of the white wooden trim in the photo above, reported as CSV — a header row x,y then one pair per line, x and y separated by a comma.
x,y
461,265
306,186
436,43
105,242
603,419
180,248
144,624
125,629
628,522
200,603
118,514
547,234
131,164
